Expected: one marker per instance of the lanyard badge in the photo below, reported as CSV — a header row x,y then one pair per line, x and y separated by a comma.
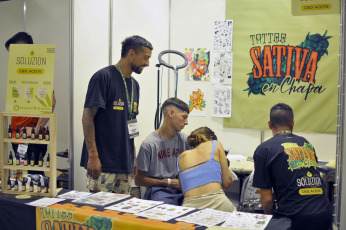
x,y
131,123
132,126
129,102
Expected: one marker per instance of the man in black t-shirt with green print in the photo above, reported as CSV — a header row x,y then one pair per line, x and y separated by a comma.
x,y
109,118
287,164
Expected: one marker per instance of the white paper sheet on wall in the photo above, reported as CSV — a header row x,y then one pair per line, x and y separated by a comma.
x,y
223,31
223,63
222,101
199,64
197,100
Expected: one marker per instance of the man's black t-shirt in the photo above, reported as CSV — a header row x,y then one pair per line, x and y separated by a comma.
x,y
288,164
106,90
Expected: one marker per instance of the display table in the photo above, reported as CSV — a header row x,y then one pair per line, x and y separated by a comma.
x,y
15,214
241,166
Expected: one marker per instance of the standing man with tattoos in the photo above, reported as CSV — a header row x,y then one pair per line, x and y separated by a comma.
x,y
110,109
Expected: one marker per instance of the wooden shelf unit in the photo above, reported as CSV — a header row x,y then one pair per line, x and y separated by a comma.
x,y
5,167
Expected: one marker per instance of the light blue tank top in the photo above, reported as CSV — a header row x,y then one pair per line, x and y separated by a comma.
x,y
209,171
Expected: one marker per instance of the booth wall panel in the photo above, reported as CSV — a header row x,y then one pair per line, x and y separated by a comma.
x,y
9,25
195,30
149,19
91,22
48,23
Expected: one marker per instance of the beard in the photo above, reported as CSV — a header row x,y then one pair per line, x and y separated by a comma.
x,y
137,69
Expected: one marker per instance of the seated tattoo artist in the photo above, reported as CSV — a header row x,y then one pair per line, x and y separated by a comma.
x,y
157,156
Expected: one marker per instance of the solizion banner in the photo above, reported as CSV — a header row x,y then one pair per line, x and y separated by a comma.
x,y
30,78
279,57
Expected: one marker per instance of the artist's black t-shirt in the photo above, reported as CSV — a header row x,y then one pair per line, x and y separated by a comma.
x,y
106,90
288,164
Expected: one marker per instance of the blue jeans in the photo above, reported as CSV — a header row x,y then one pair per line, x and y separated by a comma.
x,y
167,195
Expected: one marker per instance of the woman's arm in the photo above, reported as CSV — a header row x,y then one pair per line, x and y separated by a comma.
x,y
227,179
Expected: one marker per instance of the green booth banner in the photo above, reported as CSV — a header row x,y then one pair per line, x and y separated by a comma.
x,y
279,57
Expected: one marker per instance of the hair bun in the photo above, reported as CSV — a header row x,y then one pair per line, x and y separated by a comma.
x,y
195,139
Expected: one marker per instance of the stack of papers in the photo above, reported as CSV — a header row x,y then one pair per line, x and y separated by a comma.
x,y
236,220
206,217
134,205
45,202
101,198
165,212
248,221
74,195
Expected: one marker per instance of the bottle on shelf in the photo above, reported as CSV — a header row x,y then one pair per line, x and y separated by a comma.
x,y
10,159
17,132
26,160
25,180
32,159
17,159
39,186
9,132
33,133
48,160
47,134
40,160
9,184
24,135
16,185
40,137
19,162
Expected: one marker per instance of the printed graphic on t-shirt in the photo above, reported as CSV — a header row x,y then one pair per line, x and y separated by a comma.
x,y
167,153
300,156
118,105
310,184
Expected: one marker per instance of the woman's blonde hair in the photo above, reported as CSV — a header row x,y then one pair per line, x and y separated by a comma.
x,y
200,135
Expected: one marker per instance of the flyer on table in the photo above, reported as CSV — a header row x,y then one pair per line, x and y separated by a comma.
x,y
30,78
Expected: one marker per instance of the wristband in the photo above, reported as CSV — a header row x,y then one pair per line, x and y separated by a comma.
x,y
168,182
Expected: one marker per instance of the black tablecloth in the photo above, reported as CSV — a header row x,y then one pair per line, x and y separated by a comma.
x,y
15,214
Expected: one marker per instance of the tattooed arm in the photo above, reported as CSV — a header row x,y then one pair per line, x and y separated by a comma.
x,y
94,164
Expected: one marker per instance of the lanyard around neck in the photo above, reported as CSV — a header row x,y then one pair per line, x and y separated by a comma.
x,y
129,103
284,131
